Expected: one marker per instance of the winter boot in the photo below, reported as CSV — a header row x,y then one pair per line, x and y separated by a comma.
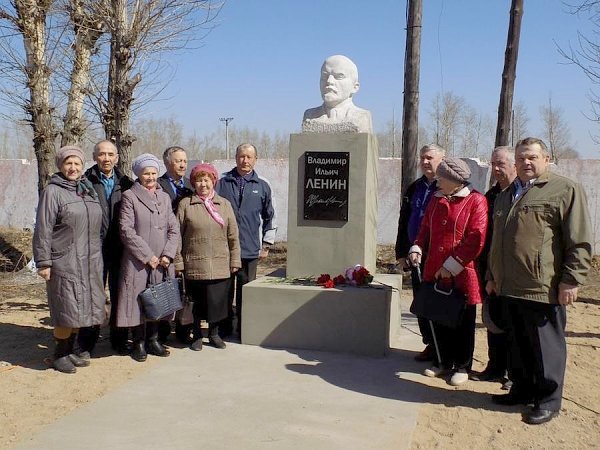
x,y
152,345
213,336
79,360
62,362
196,344
87,338
138,352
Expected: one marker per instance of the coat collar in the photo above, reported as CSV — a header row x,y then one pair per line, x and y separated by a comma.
x,y
466,190
150,200
232,174
195,200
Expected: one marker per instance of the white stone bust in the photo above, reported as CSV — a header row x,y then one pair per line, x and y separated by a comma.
x,y
338,113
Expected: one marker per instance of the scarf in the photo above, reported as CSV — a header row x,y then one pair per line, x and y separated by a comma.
x,y
210,207
84,187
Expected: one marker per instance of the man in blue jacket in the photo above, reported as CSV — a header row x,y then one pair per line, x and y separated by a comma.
x,y
412,209
252,201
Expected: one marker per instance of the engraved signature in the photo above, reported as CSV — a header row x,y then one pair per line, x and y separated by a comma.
x,y
314,199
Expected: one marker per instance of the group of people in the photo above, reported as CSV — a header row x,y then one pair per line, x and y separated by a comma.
x,y
522,249
102,229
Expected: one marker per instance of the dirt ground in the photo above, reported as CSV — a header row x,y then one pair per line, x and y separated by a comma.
x,y
451,417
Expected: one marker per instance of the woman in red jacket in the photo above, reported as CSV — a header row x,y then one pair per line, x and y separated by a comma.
x,y
452,235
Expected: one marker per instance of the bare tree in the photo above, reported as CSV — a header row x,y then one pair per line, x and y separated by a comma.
x,y
586,54
445,118
390,139
155,135
87,78
27,19
509,73
471,123
556,132
141,32
520,120
88,26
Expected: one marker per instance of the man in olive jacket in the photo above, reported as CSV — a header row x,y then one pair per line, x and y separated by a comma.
x,y
540,254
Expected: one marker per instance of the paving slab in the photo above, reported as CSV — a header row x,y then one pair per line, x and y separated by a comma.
x,y
254,398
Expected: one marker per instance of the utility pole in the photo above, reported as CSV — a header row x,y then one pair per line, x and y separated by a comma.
x,y
394,132
509,73
410,113
226,120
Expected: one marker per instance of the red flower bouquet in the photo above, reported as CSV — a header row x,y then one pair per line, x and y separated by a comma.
x,y
353,276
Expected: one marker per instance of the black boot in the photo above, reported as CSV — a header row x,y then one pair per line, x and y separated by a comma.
x,y
82,360
213,336
62,362
138,352
87,337
183,333
164,331
118,340
152,345
196,339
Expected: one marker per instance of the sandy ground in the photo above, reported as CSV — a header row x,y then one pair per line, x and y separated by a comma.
x,y
450,417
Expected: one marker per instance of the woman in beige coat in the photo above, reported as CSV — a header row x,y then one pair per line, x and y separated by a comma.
x,y
210,252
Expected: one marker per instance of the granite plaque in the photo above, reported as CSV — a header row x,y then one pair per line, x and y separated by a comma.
x,y
326,183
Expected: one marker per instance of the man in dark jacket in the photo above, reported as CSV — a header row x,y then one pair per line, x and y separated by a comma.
x,y
109,183
173,181
504,172
177,185
541,253
252,202
412,209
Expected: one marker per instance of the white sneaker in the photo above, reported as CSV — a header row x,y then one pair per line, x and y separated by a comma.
x,y
458,378
435,371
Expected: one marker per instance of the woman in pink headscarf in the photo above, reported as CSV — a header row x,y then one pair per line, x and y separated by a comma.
x,y
210,252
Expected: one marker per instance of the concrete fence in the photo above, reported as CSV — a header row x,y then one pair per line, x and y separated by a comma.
x,y
18,185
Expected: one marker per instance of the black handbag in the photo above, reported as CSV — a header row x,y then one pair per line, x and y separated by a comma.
x,y
161,299
445,307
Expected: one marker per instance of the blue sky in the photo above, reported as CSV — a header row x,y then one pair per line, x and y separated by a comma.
x,y
261,63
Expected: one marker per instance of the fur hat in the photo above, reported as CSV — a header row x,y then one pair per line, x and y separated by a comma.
x,y
144,160
204,167
454,169
69,150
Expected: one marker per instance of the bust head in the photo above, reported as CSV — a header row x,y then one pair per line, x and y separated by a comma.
x,y
339,80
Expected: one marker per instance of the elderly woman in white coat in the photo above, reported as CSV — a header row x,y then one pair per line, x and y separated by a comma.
x,y
67,252
150,235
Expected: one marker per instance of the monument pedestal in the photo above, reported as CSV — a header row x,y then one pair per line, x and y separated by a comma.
x,y
360,320
330,246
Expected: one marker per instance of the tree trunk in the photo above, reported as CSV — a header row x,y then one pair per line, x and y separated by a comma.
x,y
509,74
410,113
88,30
120,87
32,21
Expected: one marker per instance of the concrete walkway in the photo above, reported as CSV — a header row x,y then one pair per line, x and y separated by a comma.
x,y
255,398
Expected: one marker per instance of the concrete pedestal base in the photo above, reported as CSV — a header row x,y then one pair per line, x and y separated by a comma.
x,y
326,246
346,319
